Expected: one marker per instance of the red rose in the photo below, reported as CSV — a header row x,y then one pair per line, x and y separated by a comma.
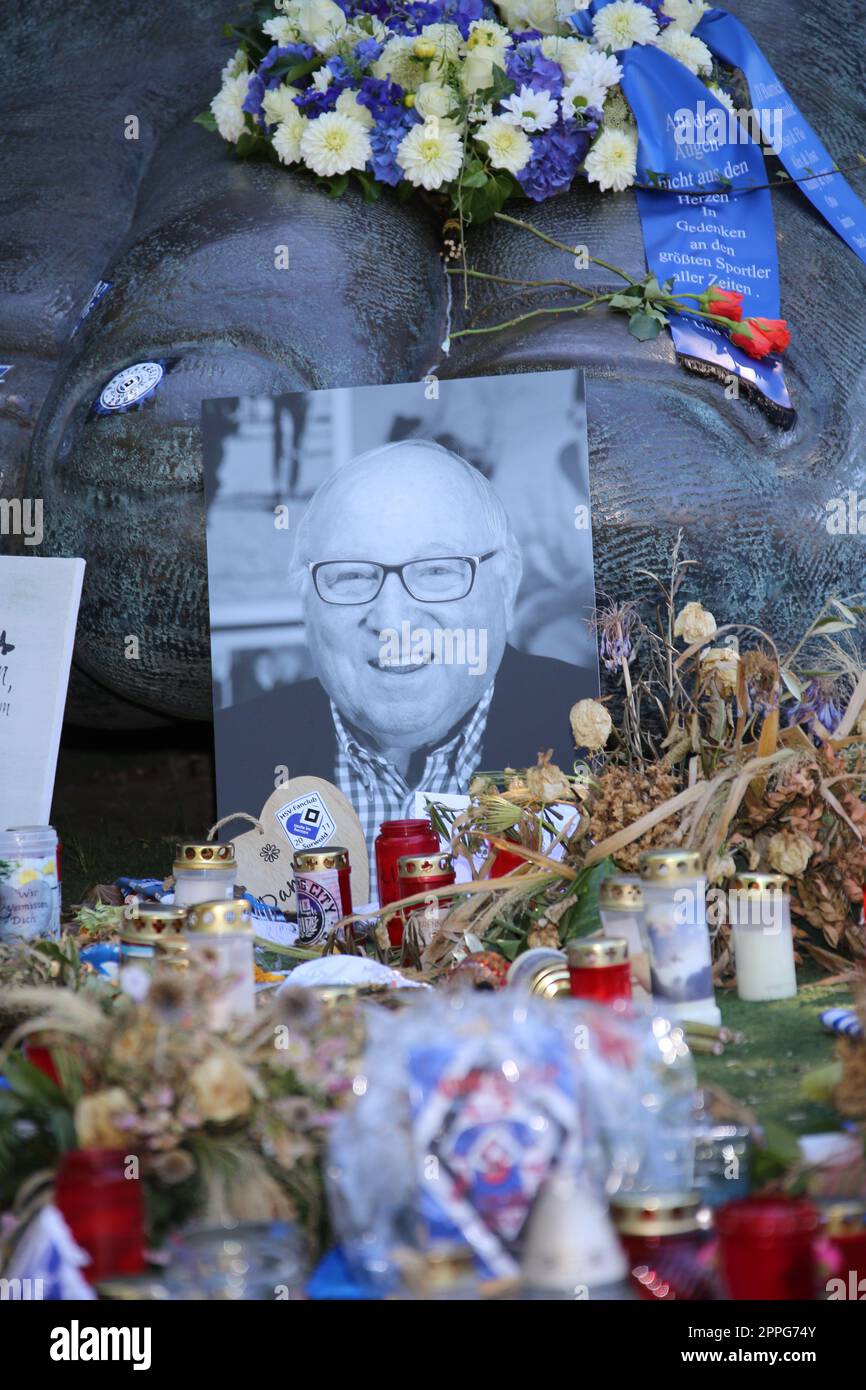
x,y
726,303
776,330
750,338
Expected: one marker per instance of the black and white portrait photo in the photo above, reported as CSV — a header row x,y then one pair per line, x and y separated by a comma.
x,y
401,584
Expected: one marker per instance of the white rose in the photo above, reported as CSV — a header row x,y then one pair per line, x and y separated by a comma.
x,y
695,624
477,70
432,99
590,725
722,663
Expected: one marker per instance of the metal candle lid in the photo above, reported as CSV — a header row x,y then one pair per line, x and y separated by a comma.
x,y
424,865
592,955
315,860
659,1213
224,917
620,893
671,865
759,885
845,1218
204,855
152,922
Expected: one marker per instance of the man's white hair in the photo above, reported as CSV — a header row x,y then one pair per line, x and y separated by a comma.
x,y
489,504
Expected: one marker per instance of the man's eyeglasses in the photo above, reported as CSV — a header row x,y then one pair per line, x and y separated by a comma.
x,y
441,579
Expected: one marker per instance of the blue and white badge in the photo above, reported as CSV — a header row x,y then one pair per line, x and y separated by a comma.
x,y
99,291
130,388
306,822
4,368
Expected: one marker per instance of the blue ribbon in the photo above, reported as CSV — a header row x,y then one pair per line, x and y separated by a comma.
x,y
802,153
696,228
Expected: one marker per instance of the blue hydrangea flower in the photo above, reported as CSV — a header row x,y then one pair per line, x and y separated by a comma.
x,y
557,154
313,102
368,50
527,66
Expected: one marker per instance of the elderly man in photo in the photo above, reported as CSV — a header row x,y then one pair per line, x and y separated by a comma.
x,y
409,573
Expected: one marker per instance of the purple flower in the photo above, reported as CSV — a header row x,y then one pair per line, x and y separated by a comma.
x,y
527,66
368,50
818,703
262,80
556,157
313,102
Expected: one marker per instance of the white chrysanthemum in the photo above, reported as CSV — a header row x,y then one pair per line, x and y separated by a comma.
x,y
507,145
432,99
565,51
282,30
286,138
530,110
480,111
397,61
334,144
623,24
227,107
349,105
686,13
278,104
590,83
691,52
431,154
235,66
612,161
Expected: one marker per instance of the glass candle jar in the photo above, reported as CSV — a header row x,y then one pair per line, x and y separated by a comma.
x,y
666,1237
620,907
542,971
323,891
844,1228
675,920
220,935
504,862
421,873
766,1247
29,884
204,872
395,839
600,969
144,926
722,1162
103,1209
759,907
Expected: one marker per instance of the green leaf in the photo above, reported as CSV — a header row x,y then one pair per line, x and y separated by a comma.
x,y
828,625
792,683
405,191
251,145
205,118
500,87
652,289
627,301
476,177
644,326
480,204
371,189
30,1084
335,187
846,612
583,916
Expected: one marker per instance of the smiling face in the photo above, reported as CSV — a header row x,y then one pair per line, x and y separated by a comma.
x,y
395,506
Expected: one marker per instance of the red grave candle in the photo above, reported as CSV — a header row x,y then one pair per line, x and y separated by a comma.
x,y
397,838
103,1209
600,969
766,1247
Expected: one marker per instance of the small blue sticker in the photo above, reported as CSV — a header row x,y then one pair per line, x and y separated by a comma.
x,y
5,369
130,388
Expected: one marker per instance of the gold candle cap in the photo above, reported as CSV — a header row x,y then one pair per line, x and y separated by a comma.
x,y
223,917
845,1218
550,981
148,923
621,892
206,854
591,955
424,865
315,860
659,1213
758,885
670,865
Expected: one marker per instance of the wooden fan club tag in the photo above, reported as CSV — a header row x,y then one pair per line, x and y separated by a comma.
x,y
306,813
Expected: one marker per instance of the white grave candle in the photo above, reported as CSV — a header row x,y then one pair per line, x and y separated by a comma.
x,y
675,921
759,907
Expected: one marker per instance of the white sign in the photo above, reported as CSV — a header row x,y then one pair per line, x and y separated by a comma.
x,y
306,822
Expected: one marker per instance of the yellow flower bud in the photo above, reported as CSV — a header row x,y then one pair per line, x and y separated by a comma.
x,y
424,48
409,99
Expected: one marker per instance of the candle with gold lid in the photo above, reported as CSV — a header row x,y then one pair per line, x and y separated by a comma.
x,y
599,969
220,935
675,921
760,914
145,926
203,871
542,971
620,907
